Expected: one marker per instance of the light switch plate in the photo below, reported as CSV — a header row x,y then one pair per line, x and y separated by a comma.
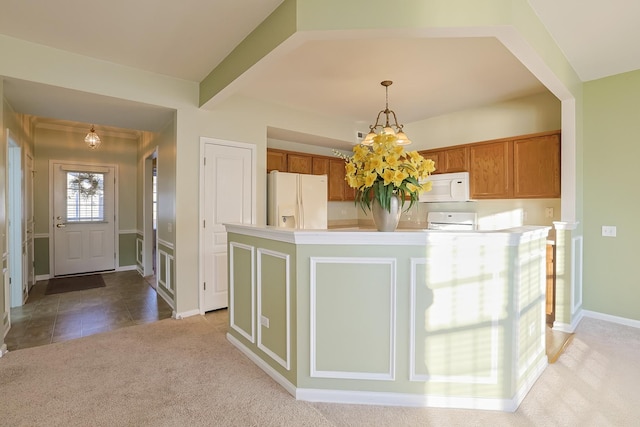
x,y
609,230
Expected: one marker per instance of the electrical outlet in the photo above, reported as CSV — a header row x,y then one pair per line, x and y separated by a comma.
x,y
609,230
264,321
548,212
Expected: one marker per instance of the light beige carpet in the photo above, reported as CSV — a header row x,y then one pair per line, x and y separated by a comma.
x,y
185,373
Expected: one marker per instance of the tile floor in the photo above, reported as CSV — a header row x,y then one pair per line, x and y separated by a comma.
x,y
127,299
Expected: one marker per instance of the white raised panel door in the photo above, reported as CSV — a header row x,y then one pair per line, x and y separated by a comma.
x,y
83,219
228,197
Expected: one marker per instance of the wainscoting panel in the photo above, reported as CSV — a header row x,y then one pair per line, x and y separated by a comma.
x,y
455,314
242,290
274,305
165,273
366,337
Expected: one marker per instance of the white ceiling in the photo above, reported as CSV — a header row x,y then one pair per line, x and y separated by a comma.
x,y
188,39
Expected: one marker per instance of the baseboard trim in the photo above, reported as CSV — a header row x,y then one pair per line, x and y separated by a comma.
x,y
611,318
185,314
569,327
404,399
3,350
529,382
42,277
127,267
393,399
275,375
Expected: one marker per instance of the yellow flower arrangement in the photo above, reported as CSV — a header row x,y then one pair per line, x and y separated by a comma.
x,y
385,170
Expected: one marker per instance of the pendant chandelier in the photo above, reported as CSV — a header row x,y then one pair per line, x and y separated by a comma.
x,y
387,129
92,139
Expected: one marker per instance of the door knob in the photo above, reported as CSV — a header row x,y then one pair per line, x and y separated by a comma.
x,y
60,225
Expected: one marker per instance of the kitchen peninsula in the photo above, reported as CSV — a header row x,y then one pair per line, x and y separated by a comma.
x,y
413,318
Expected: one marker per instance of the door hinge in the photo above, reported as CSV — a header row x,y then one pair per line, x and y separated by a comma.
x,y
205,161
205,286
204,223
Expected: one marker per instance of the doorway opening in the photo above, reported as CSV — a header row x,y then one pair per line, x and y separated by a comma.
x,y
150,212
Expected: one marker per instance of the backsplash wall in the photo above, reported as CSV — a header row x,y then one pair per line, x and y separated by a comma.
x,y
492,214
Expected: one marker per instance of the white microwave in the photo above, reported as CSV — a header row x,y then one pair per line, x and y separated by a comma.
x,y
447,187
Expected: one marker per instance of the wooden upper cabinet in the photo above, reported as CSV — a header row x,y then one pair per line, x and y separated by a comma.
x,y
299,163
455,159
536,167
490,171
276,160
336,188
320,166
433,155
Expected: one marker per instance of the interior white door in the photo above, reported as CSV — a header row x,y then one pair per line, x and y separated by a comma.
x,y
83,219
228,198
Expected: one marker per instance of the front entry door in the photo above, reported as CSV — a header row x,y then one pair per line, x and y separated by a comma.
x,y
83,218
227,198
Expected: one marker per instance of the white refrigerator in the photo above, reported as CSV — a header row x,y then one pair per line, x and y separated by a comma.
x,y
296,200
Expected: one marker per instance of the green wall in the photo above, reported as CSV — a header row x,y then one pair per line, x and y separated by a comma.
x,y
127,249
611,153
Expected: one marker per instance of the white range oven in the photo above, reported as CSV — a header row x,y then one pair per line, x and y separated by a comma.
x,y
452,221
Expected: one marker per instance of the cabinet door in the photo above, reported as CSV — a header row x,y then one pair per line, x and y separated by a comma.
x,y
491,170
449,160
536,167
455,159
320,166
299,163
349,192
276,160
336,180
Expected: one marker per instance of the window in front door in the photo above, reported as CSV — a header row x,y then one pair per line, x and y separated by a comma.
x,y
85,197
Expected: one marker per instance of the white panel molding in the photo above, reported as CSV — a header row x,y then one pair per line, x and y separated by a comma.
x,y
127,231
492,378
576,273
251,334
167,283
165,243
139,251
389,375
41,235
286,362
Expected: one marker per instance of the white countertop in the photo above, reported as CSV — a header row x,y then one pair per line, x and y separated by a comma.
x,y
366,236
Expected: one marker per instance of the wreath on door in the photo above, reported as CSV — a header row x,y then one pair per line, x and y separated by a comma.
x,y
87,184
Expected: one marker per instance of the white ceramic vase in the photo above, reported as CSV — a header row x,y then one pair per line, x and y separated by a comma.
x,y
383,219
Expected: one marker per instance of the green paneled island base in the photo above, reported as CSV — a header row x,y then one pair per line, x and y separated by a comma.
x,y
414,318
